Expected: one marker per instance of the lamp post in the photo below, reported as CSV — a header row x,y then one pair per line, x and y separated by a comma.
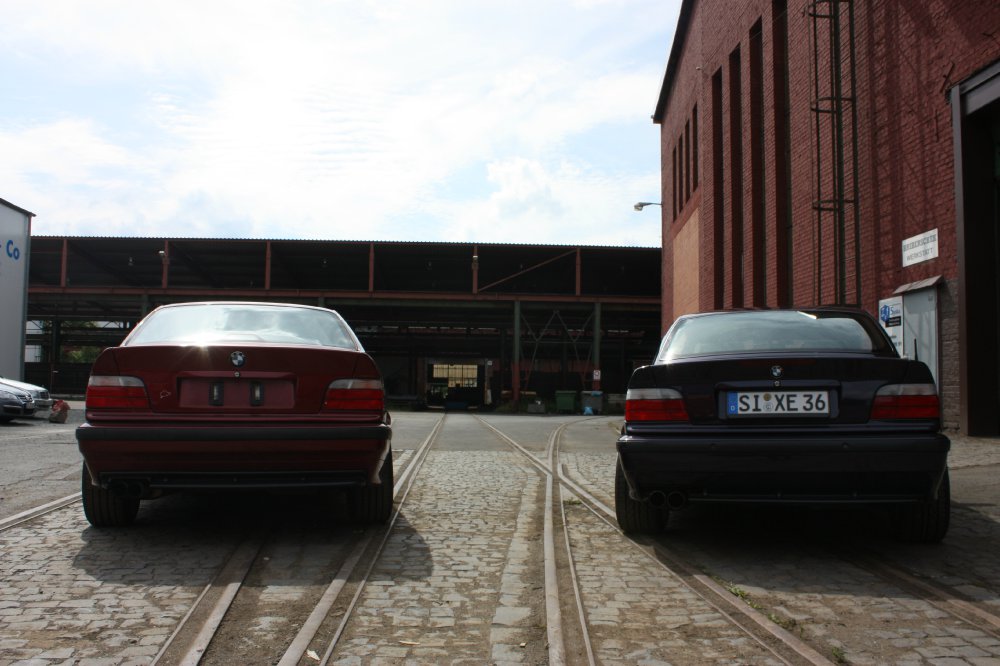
x,y
642,204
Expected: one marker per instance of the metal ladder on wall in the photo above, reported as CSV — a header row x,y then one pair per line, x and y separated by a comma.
x,y
835,148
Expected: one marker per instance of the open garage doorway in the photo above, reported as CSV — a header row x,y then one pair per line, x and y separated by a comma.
x,y
976,124
457,385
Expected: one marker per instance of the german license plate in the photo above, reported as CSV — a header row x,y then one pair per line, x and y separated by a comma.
x,y
778,403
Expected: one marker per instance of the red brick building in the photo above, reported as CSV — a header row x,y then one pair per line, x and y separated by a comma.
x,y
834,152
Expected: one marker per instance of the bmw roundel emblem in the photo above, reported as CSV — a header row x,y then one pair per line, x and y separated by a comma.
x,y
238,358
776,371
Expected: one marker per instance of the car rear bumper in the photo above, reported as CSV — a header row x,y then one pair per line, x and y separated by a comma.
x,y
173,457
798,469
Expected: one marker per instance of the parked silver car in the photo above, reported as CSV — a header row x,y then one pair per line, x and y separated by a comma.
x,y
39,394
15,403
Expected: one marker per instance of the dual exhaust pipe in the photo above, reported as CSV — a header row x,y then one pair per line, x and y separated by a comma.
x,y
673,499
129,489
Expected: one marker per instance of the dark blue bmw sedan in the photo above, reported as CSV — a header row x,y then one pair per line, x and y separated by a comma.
x,y
811,406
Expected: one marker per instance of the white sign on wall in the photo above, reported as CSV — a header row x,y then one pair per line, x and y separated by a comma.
x,y
890,315
920,247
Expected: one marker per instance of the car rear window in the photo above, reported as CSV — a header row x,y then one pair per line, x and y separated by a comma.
x,y
220,323
784,331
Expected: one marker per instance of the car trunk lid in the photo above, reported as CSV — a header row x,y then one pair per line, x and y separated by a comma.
x,y
759,391
230,379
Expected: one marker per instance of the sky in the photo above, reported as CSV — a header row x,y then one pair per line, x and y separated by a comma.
x,y
493,121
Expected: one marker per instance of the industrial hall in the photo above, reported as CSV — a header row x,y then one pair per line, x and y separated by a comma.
x,y
456,325
830,152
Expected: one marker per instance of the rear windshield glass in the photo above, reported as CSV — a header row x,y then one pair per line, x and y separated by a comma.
x,y
737,332
220,323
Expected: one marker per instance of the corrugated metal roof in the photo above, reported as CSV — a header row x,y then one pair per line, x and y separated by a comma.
x,y
329,240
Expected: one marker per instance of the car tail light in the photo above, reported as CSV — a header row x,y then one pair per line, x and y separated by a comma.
x,y
355,395
654,405
906,401
115,392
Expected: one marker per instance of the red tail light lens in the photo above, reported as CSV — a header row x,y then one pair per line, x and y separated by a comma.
x,y
355,395
114,392
654,405
906,401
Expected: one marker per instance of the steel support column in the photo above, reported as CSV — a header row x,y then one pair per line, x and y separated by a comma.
x,y
597,347
55,353
515,362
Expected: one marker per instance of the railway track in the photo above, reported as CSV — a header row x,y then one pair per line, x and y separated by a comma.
x,y
944,598
966,615
31,514
191,642
771,640
589,594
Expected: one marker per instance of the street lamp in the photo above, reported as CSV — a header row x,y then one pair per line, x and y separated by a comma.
x,y
642,204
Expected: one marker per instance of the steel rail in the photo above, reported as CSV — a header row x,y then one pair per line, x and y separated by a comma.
x,y
303,639
404,486
553,622
739,614
41,510
553,610
187,647
554,451
714,594
191,639
945,598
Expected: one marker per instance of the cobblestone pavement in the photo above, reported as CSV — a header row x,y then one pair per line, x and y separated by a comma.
x,y
71,595
797,576
460,580
787,564
638,614
973,451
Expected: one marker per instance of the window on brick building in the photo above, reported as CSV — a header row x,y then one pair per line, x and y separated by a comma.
x,y
736,257
684,162
673,187
680,173
694,147
687,161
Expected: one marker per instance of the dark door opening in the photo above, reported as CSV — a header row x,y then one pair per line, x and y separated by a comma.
x,y
976,121
454,385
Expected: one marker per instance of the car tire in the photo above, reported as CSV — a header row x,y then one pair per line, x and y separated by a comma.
x,y
634,516
926,521
104,508
373,503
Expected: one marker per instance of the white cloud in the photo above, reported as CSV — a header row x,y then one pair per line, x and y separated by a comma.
x,y
566,204
339,119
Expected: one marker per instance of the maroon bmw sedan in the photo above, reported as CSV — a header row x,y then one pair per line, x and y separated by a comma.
x,y
219,395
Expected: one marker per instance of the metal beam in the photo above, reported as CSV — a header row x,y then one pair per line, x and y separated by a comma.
x,y
527,270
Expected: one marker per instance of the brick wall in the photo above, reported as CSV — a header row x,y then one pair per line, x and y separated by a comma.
x,y
907,57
